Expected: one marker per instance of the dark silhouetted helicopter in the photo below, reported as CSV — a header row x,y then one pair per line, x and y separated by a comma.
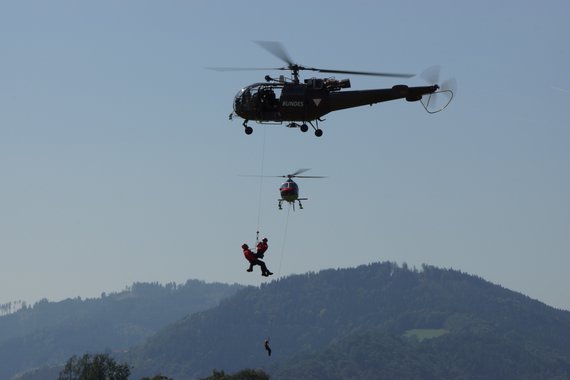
x,y
287,100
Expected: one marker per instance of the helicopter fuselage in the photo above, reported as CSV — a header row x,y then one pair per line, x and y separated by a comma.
x,y
289,191
276,101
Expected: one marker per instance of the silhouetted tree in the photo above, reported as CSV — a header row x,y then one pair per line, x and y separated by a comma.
x,y
96,367
246,374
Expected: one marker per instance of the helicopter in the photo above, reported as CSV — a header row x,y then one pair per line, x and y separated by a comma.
x,y
287,100
289,189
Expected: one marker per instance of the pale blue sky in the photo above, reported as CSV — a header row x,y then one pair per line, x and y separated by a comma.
x,y
119,164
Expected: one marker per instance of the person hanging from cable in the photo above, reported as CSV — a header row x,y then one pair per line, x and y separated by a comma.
x,y
267,348
261,248
253,260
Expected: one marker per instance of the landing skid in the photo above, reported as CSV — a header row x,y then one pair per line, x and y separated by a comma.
x,y
280,203
304,127
248,129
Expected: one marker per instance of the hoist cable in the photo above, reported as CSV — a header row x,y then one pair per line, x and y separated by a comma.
x,y
260,186
284,241
278,272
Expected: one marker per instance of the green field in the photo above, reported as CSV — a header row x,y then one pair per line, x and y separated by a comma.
x,y
422,334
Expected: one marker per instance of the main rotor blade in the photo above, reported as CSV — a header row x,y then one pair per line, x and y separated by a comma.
x,y
264,176
245,68
297,172
283,176
369,73
277,49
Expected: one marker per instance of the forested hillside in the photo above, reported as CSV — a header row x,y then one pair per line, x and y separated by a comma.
x,y
374,354
377,319
50,332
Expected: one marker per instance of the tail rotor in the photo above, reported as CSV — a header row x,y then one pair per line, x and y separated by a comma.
x,y
440,99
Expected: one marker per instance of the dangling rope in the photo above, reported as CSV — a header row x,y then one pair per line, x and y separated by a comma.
x,y
284,241
282,254
260,186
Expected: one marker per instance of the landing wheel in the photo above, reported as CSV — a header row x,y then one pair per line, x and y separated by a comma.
x,y
318,132
304,127
248,130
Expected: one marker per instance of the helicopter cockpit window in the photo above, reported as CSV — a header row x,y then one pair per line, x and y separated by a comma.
x,y
242,100
259,100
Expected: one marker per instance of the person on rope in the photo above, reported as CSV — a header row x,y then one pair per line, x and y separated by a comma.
x,y
267,348
253,260
261,248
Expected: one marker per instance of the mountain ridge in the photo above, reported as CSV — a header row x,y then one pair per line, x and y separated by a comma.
x,y
305,314
47,333
378,320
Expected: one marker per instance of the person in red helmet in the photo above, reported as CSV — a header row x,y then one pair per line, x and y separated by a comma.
x,y
253,260
261,248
